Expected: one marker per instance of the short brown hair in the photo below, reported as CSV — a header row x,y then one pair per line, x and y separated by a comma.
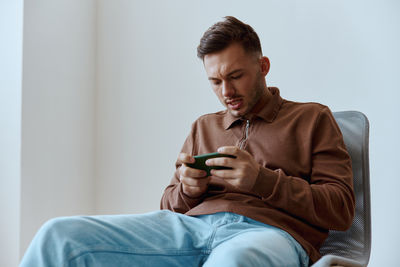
x,y
223,33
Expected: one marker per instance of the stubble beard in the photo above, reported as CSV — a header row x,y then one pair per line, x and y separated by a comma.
x,y
258,90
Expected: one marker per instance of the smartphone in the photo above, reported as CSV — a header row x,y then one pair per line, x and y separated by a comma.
x,y
200,162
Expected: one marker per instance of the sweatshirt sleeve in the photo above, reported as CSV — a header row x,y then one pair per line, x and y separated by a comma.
x,y
173,198
326,198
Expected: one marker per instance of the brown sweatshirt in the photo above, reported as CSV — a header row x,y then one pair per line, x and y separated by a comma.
x,y
305,181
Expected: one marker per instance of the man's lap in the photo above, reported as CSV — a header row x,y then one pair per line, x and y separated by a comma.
x,y
161,237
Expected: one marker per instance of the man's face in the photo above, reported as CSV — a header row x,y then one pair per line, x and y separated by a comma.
x,y
237,78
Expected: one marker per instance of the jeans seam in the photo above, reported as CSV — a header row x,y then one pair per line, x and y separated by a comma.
x,y
98,249
211,240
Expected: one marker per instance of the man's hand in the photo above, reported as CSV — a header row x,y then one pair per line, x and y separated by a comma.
x,y
244,170
194,181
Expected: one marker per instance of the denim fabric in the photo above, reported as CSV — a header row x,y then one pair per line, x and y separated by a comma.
x,y
162,238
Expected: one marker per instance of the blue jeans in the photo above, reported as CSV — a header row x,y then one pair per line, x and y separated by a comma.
x,y
162,238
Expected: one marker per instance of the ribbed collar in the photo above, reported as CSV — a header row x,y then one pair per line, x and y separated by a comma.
x,y
268,112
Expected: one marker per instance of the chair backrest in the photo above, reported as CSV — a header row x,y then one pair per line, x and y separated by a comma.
x,y
355,243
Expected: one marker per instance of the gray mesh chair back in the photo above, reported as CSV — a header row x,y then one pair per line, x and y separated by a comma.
x,y
352,247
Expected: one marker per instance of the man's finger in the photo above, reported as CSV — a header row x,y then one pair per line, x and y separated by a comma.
x,y
193,191
230,150
185,158
226,174
191,172
223,161
199,182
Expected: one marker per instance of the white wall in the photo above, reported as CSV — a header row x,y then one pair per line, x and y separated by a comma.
x,y
58,112
144,79
10,128
151,87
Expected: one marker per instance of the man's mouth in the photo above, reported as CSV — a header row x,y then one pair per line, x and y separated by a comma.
x,y
235,104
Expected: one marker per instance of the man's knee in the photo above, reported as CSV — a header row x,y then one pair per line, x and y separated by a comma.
x,y
265,248
246,256
62,228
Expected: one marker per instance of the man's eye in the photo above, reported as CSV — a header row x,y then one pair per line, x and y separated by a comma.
x,y
216,82
236,77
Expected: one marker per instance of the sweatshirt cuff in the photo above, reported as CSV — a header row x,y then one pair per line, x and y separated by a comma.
x,y
265,182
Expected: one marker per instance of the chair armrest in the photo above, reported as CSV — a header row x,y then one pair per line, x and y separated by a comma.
x,y
333,260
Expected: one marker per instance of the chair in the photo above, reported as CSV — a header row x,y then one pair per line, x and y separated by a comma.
x,y
352,247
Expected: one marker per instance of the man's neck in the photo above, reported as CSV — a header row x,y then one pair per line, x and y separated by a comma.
x,y
262,101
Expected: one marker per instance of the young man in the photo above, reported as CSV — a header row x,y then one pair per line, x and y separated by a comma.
x,y
289,181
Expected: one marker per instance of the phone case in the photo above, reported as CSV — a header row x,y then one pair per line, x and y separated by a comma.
x,y
200,162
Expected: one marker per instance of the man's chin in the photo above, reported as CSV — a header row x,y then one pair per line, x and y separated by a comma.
x,y
236,113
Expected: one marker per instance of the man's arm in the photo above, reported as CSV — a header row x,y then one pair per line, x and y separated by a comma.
x,y
327,198
188,185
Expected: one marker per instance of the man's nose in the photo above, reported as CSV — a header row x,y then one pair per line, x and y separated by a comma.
x,y
227,89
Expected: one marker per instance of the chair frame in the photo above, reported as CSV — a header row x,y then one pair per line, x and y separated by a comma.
x,y
340,257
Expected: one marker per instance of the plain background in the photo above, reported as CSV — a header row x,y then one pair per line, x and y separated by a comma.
x,y
97,98
10,129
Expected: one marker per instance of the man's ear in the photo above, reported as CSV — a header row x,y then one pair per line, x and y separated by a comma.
x,y
265,64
